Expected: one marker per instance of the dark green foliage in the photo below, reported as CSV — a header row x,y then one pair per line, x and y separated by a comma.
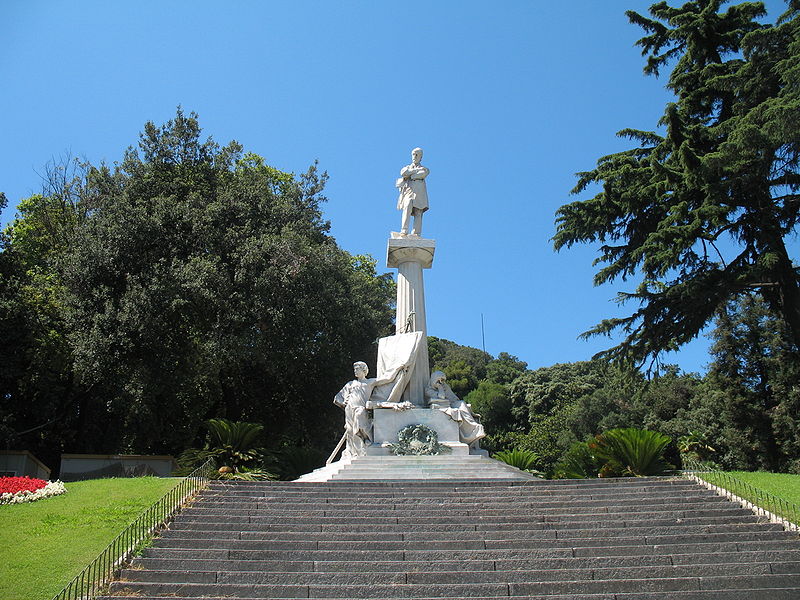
x,y
754,374
696,447
491,401
505,368
543,403
627,452
463,365
704,209
630,452
577,463
233,444
292,461
521,459
190,281
38,389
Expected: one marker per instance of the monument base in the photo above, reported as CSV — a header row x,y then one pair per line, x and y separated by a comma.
x,y
388,422
456,449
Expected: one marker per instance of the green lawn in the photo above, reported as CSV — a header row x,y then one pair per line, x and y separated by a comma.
x,y
782,485
44,544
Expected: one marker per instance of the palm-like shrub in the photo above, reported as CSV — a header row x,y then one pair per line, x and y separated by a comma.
x,y
521,459
232,444
694,446
630,452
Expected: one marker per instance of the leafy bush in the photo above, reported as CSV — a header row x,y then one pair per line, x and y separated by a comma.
x,y
627,452
521,459
630,452
577,463
234,447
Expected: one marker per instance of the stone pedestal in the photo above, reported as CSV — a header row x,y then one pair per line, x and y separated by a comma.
x,y
410,255
387,422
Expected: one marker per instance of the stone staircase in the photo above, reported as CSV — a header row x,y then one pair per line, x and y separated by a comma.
x,y
620,539
469,467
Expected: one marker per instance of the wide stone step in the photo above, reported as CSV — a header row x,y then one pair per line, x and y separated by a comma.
x,y
462,590
430,468
720,510
248,487
407,576
789,558
523,533
528,500
222,532
481,523
460,494
376,509
488,544
530,553
431,516
754,594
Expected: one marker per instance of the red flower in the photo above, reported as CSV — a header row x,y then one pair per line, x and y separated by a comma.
x,y
12,485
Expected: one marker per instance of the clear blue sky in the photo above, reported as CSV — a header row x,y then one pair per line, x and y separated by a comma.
x,y
508,100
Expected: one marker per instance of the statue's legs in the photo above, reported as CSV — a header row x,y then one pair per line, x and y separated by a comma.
x,y
406,219
358,428
417,222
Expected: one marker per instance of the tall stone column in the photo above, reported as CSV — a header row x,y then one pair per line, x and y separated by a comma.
x,y
410,255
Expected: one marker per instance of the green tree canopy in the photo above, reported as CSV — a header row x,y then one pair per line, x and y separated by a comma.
x,y
191,281
702,208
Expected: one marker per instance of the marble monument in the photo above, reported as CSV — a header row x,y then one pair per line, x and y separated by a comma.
x,y
404,392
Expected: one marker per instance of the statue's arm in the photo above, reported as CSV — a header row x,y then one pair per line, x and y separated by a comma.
x,y
339,400
420,172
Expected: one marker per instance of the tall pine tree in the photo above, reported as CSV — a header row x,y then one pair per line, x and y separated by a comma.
x,y
703,207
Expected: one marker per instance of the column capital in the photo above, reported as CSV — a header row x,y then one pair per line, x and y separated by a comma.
x,y
409,249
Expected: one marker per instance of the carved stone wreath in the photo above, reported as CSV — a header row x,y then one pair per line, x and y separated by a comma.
x,y
418,440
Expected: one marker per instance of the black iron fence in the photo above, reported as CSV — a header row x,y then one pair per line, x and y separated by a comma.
x,y
103,568
761,502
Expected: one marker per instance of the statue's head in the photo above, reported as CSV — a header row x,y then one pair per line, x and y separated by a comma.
x,y
360,367
416,155
438,378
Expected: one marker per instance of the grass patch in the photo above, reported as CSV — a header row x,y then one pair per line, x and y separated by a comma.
x,y
46,543
781,485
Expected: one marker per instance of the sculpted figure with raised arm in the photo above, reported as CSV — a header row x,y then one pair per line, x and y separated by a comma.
x,y
354,398
413,198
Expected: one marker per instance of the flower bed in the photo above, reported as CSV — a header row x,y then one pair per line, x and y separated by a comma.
x,y
15,490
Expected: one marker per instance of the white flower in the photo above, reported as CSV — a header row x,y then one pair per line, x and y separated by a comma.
x,y
53,488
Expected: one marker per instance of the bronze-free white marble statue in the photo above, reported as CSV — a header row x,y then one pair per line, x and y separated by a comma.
x,y
439,395
354,399
413,198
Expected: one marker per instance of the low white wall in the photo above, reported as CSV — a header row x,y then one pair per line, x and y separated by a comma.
x,y
75,467
18,463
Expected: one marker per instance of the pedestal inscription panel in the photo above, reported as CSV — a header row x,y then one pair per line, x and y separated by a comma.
x,y
388,422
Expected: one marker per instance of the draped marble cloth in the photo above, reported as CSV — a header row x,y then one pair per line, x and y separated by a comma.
x,y
395,351
469,428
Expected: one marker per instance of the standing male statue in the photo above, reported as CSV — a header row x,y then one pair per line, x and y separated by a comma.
x,y
413,199
354,398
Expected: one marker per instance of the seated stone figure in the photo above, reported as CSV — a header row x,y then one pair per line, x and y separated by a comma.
x,y
439,395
